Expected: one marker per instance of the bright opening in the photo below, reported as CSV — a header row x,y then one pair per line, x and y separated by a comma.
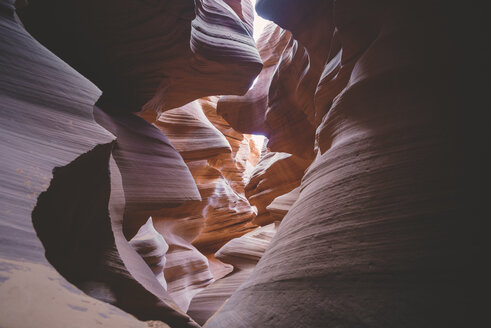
x,y
258,140
259,23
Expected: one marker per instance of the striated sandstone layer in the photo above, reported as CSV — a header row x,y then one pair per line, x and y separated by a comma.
x,y
247,113
155,55
243,253
282,204
275,174
379,235
280,105
192,134
376,164
219,159
47,123
107,182
153,248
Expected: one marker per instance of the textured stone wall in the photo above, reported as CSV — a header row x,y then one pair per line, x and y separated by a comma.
x,y
130,186
376,234
93,175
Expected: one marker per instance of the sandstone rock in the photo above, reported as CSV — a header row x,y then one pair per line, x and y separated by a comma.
x,y
126,281
192,134
290,113
47,123
245,154
275,174
282,204
301,19
228,214
243,253
381,206
149,55
247,114
376,164
187,270
195,230
152,247
155,177
220,165
280,104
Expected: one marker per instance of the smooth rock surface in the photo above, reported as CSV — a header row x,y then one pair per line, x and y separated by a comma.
x,y
150,55
243,253
378,236
44,125
282,204
152,247
247,113
47,126
275,174
220,160
377,163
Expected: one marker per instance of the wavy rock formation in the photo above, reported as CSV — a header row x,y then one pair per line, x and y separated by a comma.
x,y
152,303
152,247
275,174
149,55
220,165
243,253
282,204
218,158
154,176
301,19
374,238
105,185
247,114
246,153
147,199
187,270
280,104
47,123
192,134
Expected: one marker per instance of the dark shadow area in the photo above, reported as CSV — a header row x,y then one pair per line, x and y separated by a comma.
x,y
71,218
72,221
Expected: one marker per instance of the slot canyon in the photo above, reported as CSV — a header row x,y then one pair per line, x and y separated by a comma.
x,y
243,163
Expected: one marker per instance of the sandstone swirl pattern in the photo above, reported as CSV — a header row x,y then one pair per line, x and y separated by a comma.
x,y
374,164
149,54
377,236
47,122
106,182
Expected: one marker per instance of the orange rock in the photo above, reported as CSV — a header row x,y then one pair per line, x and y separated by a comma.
x,y
247,114
280,206
276,174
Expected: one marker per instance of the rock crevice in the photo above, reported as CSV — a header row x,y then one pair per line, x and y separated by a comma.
x,y
129,175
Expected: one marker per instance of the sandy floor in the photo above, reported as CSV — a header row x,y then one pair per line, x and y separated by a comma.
x,y
53,302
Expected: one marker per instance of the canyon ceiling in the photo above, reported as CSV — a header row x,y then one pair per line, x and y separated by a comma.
x,y
133,194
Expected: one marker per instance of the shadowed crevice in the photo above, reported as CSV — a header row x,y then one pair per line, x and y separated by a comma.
x,y
72,221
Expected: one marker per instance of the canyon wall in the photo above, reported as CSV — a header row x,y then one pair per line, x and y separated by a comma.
x,y
130,186
378,235
219,159
47,123
93,175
